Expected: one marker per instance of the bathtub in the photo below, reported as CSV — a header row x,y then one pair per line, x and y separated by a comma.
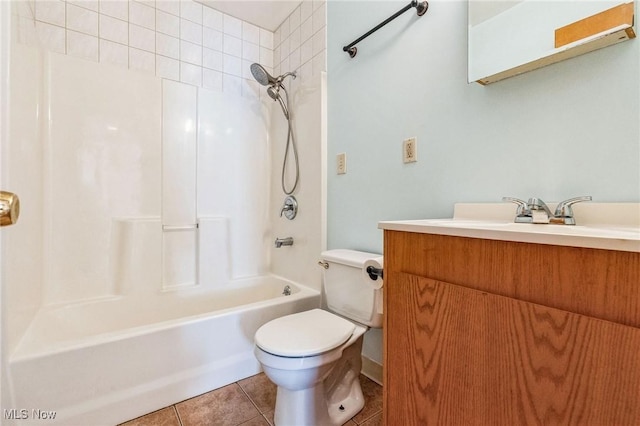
x,y
107,361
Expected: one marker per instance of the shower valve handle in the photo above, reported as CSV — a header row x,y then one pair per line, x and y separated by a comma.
x,y
286,208
289,208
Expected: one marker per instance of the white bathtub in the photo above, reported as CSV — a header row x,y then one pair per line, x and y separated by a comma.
x,y
108,361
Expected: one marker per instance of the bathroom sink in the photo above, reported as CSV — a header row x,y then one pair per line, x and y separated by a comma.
x,y
599,231
468,223
624,236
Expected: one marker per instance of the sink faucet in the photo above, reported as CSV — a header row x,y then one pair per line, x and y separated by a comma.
x,y
540,212
536,211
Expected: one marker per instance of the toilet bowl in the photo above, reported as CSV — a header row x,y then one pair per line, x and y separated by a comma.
x,y
316,388
314,357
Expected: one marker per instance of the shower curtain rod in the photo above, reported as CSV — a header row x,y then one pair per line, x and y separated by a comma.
x,y
421,8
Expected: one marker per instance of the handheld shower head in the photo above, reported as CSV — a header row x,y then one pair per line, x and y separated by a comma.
x,y
274,84
273,92
261,75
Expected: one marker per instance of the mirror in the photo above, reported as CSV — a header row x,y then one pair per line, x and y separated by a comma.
x,y
509,37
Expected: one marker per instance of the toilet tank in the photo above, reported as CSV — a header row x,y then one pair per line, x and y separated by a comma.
x,y
348,291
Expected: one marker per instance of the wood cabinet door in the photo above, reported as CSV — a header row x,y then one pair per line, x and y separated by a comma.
x,y
458,356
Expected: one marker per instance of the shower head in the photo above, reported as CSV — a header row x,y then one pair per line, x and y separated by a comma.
x,y
273,92
261,75
275,84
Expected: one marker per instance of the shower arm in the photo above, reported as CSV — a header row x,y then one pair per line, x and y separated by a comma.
x,y
280,79
421,9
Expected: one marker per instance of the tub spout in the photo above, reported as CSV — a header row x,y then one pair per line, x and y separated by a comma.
x,y
283,242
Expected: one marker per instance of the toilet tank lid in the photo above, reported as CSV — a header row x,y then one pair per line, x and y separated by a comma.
x,y
347,257
306,333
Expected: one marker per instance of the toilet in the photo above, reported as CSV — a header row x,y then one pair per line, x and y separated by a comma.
x,y
314,357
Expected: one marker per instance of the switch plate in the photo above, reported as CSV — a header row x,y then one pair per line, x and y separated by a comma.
x,y
341,163
409,150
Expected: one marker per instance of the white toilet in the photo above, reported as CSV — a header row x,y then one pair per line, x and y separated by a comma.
x,y
314,356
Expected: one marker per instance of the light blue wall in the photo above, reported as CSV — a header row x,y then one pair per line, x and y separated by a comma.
x,y
569,129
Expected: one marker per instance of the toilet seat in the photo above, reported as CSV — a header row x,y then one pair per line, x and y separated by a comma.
x,y
304,334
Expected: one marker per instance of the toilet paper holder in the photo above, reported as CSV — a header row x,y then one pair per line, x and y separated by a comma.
x,y
374,273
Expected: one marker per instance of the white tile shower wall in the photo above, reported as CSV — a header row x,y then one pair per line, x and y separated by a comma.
x,y
121,35
308,229
300,43
179,40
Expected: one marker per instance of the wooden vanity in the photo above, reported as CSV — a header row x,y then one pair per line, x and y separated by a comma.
x,y
490,332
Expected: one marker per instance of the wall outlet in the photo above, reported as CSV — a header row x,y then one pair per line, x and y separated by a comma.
x,y
341,163
409,150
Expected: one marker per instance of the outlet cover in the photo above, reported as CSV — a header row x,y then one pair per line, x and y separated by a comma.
x,y
341,163
409,150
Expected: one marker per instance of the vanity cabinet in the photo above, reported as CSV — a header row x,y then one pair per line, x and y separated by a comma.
x,y
484,332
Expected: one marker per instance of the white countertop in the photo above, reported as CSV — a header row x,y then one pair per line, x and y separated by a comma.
x,y
494,221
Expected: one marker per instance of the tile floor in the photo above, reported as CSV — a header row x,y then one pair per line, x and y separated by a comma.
x,y
249,402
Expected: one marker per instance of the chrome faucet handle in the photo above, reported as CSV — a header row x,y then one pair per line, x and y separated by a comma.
x,y
523,212
523,207
564,209
521,203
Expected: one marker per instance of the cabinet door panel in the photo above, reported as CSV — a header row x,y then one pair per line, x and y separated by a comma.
x,y
456,356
